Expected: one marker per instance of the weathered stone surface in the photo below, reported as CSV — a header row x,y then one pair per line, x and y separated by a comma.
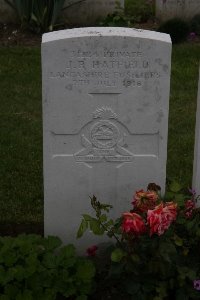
x,y
196,162
105,106
185,9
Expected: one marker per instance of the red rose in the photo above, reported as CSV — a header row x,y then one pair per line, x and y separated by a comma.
x,y
189,207
133,223
91,251
170,210
160,218
142,201
189,204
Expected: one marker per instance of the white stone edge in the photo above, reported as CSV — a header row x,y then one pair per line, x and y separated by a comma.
x,y
104,31
196,163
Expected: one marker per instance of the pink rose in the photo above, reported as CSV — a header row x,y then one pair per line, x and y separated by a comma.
x,y
143,201
161,217
133,223
170,209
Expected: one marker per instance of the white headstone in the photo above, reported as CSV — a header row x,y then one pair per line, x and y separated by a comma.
x,y
196,163
105,109
185,9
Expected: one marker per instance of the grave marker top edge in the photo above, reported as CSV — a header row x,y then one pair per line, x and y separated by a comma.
x,y
105,31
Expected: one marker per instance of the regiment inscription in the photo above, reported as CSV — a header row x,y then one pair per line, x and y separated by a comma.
x,y
104,68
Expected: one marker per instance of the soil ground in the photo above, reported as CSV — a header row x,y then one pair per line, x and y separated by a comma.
x,y
13,35
16,229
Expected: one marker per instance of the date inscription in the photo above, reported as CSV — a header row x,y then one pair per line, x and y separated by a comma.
x,y
106,68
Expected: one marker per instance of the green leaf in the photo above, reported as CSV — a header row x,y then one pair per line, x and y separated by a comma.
x,y
96,228
50,260
11,290
167,250
25,295
4,297
180,220
198,232
175,187
117,255
180,295
116,270
85,270
169,196
34,18
87,217
109,223
191,274
7,276
132,287
180,199
52,242
103,218
135,258
178,241
68,251
190,225
10,258
67,256
18,272
82,228
2,275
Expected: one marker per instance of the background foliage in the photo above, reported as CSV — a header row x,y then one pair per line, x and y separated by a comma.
x,y
35,268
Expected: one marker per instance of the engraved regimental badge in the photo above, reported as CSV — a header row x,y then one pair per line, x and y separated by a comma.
x,y
104,139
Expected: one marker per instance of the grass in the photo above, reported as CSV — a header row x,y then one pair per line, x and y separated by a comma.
x,y
21,198
184,81
21,191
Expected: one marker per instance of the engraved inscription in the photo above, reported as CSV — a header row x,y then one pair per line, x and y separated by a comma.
x,y
105,53
104,141
106,68
104,134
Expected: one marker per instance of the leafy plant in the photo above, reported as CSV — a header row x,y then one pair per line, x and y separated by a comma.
x,y
177,28
118,18
140,10
134,11
39,15
35,268
23,8
45,14
156,256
